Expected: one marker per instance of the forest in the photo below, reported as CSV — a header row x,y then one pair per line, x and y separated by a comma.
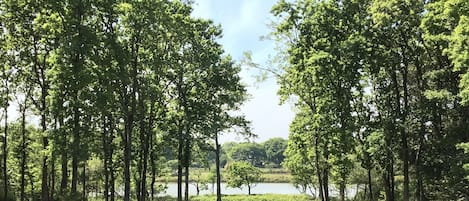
x,y
113,95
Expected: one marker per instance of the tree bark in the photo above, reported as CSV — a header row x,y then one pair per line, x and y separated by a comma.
x,y
180,148
5,140
186,182
75,147
326,175
342,191
45,144
318,167
84,180
23,150
127,158
405,146
64,159
105,159
52,177
370,184
217,165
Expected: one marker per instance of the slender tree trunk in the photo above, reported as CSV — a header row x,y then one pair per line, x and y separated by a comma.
x,y
393,185
180,148
77,65
113,178
64,159
84,180
45,144
387,185
127,158
75,147
326,175
52,177
187,161
144,146
318,167
420,195
370,188
130,120
111,131
105,159
23,149
342,191
153,168
186,188
420,191
405,146
217,166
5,140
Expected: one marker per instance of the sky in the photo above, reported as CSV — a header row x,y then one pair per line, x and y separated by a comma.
x,y
243,23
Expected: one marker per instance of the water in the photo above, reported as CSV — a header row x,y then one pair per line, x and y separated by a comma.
x,y
260,188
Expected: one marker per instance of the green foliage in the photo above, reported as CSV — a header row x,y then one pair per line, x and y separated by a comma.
x,y
465,147
274,149
249,152
240,174
379,82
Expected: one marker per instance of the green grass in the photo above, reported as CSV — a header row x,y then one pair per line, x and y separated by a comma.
x,y
269,175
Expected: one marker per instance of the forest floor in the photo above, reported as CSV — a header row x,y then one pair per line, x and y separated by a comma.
x,y
269,175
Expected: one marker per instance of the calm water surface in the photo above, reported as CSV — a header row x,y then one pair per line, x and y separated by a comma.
x,y
260,188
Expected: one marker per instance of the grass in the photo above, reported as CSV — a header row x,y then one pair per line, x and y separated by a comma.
x,y
269,175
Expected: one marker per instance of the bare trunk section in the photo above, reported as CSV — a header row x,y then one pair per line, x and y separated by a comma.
x,y
64,160
52,177
45,144
5,141
370,184
186,183
84,181
75,147
180,148
105,158
23,149
217,165
318,167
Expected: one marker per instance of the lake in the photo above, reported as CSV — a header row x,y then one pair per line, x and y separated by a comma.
x,y
260,188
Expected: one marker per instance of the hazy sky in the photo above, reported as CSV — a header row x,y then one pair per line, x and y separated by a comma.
x,y
243,23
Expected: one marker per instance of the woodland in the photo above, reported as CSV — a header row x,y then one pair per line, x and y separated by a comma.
x,y
110,93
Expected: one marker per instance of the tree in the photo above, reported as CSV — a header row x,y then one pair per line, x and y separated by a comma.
x,y
242,174
250,152
274,150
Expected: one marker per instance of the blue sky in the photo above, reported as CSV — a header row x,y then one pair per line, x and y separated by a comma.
x,y
243,23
